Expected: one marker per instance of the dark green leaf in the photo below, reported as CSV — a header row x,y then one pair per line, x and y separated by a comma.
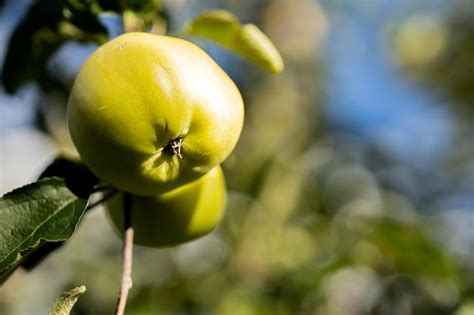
x,y
65,302
80,13
143,5
80,181
247,40
78,178
44,211
28,48
46,26
110,5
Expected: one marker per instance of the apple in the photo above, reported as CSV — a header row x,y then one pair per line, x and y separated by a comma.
x,y
149,113
173,217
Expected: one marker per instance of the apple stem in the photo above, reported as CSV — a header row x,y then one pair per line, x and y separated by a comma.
x,y
127,255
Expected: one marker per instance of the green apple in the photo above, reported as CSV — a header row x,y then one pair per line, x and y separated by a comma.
x,y
149,113
174,217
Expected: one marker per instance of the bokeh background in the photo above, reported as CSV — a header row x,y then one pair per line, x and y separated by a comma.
x,y
351,190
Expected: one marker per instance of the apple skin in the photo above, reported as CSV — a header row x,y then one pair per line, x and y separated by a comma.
x,y
137,96
174,217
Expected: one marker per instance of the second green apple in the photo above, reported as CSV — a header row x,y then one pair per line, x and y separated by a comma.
x,y
174,217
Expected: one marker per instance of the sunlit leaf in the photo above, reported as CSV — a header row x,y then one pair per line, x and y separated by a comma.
x,y
246,40
218,25
65,302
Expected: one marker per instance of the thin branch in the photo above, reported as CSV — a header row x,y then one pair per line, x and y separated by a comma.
x,y
106,197
127,255
100,188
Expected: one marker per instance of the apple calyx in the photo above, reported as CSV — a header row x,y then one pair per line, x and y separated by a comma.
x,y
174,147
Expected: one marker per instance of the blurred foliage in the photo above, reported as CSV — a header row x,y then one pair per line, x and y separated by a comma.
x,y
438,50
316,223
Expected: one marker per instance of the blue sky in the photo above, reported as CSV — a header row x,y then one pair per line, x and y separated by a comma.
x,y
367,94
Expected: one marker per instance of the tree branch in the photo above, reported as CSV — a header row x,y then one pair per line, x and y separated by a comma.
x,y
106,196
127,255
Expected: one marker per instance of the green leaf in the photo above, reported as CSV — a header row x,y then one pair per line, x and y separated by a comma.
x,y
80,13
110,5
31,44
44,211
140,15
65,302
81,181
217,25
247,40
254,45
77,177
143,5
46,26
